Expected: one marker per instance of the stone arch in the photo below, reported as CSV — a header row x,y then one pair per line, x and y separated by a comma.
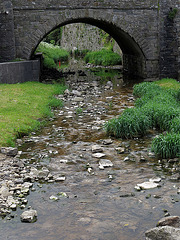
x,y
125,32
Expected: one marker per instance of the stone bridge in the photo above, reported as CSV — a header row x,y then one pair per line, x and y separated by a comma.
x,y
147,31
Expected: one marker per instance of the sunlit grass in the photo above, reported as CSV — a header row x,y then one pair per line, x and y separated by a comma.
x,y
103,57
157,107
23,106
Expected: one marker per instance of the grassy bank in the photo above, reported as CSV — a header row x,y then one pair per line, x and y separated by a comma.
x,y
23,106
52,54
157,107
104,57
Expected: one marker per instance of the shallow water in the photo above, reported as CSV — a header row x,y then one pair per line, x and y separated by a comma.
x,y
101,204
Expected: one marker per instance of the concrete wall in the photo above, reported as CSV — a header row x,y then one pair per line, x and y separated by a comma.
x,y
19,72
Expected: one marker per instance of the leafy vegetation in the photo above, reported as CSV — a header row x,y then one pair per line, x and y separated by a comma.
x,y
22,105
158,107
104,57
52,54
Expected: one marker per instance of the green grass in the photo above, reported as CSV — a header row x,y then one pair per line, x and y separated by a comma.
x,y
167,146
132,123
104,57
157,107
52,54
22,105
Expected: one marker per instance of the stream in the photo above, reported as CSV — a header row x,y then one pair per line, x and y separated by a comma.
x,y
93,202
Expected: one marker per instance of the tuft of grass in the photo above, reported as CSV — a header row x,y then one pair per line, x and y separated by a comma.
x,y
167,146
52,54
131,123
22,105
104,57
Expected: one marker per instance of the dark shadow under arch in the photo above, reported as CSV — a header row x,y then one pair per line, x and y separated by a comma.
x,y
133,56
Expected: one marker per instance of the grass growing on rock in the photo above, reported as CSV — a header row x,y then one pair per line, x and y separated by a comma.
x,y
103,57
23,106
157,107
52,54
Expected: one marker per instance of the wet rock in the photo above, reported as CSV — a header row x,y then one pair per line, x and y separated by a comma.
x,y
173,221
58,178
67,92
175,177
105,163
98,155
78,99
54,198
147,185
97,149
9,151
120,150
29,216
76,93
4,191
43,173
155,179
163,233
126,194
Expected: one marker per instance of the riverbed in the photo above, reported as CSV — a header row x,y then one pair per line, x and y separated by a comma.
x,y
93,202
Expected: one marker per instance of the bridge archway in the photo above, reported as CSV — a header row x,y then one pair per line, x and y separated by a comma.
x,y
128,38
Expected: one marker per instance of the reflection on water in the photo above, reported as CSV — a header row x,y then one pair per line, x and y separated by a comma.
x,y
101,204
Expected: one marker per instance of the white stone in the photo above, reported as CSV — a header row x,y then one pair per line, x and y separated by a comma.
x,y
29,216
98,155
147,185
54,198
97,149
105,163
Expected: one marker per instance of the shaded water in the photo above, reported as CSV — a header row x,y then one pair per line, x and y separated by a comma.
x,y
101,204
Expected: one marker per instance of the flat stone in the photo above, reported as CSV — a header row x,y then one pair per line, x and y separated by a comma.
x,y
78,99
4,191
97,149
98,155
29,216
120,150
163,233
59,179
107,141
147,185
9,151
173,221
105,163
156,179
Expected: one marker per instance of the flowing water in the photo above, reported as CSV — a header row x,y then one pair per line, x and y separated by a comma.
x,y
98,204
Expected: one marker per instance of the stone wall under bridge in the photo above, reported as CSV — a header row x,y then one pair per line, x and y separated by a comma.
x,y
149,40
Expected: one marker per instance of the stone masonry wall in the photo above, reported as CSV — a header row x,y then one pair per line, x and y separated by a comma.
x,y
7,39
169,58
83,36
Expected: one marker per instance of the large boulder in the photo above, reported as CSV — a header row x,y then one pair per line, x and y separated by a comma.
x,y
163,233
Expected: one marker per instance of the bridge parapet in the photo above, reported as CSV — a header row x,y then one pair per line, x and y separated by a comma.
x,y
83,4
149,40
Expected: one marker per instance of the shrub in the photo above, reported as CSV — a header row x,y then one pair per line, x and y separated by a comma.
x,y
167,146
52,54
